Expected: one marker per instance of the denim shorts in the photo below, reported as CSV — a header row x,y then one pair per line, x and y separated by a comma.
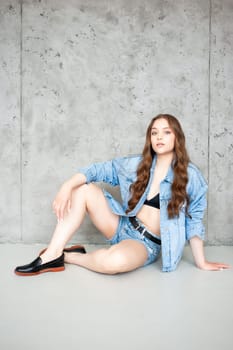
x,y
126,230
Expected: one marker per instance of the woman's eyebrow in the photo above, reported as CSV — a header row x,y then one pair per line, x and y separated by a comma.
x,y
166,127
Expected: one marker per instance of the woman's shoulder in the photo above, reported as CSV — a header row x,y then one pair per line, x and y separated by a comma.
x,y
195,175
194,169
126,166
128,160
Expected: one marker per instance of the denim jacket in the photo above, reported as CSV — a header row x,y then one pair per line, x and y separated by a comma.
x,y
174,232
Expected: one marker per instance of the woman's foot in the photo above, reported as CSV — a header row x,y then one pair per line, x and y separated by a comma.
x,y
37,266
73,249
47,262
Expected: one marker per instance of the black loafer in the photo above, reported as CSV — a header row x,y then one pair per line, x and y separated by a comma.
x,y
36,267
72,249
75,249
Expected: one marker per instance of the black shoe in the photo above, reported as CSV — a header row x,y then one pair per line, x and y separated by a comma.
x,y
36,267
72,249
75,249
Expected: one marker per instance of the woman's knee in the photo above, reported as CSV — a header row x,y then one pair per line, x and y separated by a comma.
x,y
115,262
84,190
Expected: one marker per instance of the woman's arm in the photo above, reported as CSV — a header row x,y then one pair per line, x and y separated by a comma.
x,y
96,172
197,248
62,202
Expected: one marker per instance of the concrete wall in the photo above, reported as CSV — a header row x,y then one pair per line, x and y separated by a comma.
x,y
81,79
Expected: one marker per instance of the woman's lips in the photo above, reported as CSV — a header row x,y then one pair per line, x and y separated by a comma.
x,y
160,144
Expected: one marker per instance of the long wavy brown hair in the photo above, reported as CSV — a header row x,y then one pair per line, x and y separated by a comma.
x,y
180,162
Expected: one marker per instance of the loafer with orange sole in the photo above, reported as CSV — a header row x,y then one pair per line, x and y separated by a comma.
x,y
36,267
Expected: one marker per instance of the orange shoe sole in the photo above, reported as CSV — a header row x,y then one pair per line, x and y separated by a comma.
x,y
54,269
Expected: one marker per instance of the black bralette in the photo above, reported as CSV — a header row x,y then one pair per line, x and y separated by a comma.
x,y
153,202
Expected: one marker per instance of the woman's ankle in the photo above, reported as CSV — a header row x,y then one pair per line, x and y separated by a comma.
x,y
49,255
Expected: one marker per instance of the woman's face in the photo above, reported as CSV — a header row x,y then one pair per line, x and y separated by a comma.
x,y
162,137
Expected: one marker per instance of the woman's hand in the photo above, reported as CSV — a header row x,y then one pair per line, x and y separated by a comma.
x,y
62,201
199,257
214,266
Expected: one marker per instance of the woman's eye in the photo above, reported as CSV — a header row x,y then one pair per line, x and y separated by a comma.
x,y
167,132
154,133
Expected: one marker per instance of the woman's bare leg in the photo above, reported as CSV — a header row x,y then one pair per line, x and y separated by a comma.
x,y
125,256
85,199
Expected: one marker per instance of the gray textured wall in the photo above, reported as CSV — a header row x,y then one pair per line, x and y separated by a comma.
x,y
80,81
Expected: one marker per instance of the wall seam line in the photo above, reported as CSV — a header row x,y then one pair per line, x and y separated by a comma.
x,y
21,120
209,106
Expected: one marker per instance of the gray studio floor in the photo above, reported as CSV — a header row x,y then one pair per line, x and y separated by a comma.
x,y
145,309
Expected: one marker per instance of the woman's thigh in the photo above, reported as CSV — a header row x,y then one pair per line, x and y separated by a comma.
x,y
99,211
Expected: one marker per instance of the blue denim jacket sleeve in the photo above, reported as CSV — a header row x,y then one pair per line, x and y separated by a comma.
x,y
119,171
101,172
197,189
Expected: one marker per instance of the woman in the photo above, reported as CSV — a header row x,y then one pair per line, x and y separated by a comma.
x,y
163,202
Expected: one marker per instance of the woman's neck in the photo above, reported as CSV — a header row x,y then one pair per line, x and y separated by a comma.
x,y
165,160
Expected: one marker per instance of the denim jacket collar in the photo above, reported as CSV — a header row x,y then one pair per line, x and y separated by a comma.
x,y
170,175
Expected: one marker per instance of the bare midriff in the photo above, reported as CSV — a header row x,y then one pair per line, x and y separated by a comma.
x,y
150,217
